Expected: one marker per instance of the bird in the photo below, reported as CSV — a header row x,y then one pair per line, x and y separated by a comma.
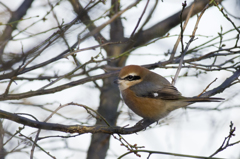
x,y
150,95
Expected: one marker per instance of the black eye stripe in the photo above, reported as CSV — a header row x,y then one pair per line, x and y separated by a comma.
x,y
132,78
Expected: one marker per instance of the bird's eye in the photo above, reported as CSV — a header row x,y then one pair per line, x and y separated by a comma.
x,y
132,77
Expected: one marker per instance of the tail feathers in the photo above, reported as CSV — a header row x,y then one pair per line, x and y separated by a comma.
x,y
203,99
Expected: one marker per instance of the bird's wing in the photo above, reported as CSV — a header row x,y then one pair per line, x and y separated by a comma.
x,y
163,90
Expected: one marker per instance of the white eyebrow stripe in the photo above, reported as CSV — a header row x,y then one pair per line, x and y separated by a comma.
x,y
132,74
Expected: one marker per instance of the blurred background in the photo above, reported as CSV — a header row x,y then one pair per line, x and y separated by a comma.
x,y
54,52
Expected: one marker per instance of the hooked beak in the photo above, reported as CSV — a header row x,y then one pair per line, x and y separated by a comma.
x,y
116,81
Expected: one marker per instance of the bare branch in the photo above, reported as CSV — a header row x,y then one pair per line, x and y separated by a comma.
x,y
139,20
182,30
17,15
161,28
58,88
166,153
226,141
75,128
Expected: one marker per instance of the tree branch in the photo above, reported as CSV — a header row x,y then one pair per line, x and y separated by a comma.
x,y
75,128
105,129
164,26
17,15
58,88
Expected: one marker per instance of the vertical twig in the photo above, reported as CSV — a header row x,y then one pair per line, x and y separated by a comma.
x,y
188,44
226,140
182,29
139,20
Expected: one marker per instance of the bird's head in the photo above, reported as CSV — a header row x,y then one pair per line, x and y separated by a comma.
x,y
131,75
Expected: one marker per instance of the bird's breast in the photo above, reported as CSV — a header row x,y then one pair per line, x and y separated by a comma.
x,y
148,108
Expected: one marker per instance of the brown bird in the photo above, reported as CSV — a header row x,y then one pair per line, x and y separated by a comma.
x,y
150,95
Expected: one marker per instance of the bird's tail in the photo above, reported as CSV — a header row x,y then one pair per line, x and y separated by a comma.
x,y
203,99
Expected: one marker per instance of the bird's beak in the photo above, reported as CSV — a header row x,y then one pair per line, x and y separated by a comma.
x,y
116,81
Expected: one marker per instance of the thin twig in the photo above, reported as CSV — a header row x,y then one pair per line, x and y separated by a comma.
x,y
34,143
182,30
225,15
226,141
207,87
188,44
93,47
139,20
167,153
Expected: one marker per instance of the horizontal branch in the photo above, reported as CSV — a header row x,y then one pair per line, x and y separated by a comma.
x,y
166,153
75,128
57,88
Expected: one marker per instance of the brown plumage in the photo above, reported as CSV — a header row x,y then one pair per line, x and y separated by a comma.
x,y
150,95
